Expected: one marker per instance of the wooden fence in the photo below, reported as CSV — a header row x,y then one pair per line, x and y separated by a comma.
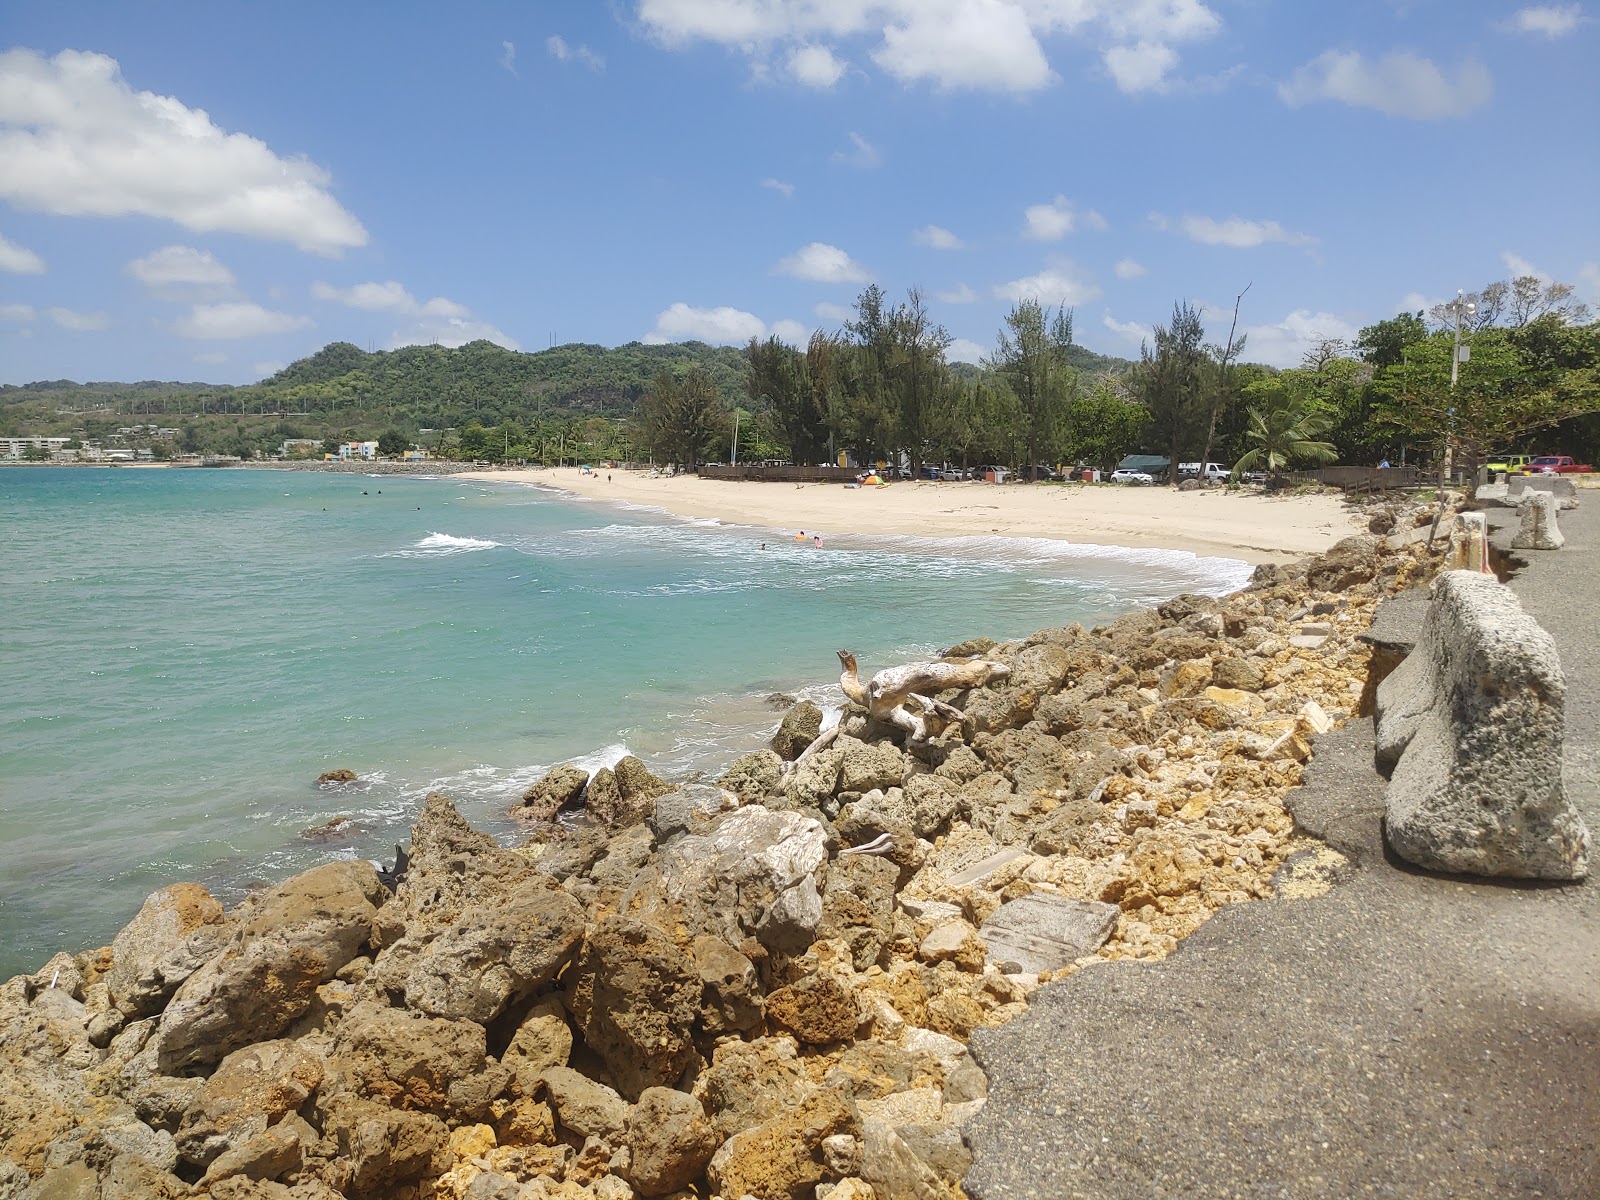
x,y
1366,479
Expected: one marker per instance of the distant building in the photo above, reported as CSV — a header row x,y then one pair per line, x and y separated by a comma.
x,y
416,456
293,446
15,448
358,450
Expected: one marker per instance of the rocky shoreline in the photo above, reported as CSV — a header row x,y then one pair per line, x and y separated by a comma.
x,y
759,987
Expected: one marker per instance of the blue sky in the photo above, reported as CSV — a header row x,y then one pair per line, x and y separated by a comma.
x,y
204,191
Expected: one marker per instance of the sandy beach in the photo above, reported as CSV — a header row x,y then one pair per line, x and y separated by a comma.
x,y
1246,525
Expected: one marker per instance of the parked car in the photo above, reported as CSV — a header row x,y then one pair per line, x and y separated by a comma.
x,y
1041,471
1558,464
1211,472
1506,463
1123,475
951,474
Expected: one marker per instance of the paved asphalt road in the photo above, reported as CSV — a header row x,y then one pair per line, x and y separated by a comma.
x,y
1404,1035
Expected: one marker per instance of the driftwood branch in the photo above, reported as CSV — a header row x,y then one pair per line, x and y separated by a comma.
x,y
890,694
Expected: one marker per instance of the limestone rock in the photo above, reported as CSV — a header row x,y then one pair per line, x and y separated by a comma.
x,y
750,1082
634,1000
588,1108
252,1089
542,1040
1476,718
753,776
421,1063
1238,674
730,1000
857,902
956,942
1042,932
560,789
814,781
817,1009
286,943
934,801
1043,668
381,1148
783,1158
136,982
1346,564
636,782
1188,678
752,872
670,1141
337,775
864,766
800,726
478,966
685,809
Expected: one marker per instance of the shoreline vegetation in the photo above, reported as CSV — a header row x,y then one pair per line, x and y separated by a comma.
x,y
758,986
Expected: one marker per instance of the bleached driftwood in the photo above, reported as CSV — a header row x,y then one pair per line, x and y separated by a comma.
x,y
888,695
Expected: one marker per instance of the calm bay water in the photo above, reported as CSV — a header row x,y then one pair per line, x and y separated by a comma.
x,y
182,652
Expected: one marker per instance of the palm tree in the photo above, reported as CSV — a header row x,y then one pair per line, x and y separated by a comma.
x,y
1285,430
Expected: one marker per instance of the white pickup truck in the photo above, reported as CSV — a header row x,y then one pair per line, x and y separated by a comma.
x,y
1214,472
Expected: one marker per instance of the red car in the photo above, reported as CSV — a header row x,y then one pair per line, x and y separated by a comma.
x,y
1558,464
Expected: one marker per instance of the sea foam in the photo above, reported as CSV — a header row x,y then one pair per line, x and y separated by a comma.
x,y
437,545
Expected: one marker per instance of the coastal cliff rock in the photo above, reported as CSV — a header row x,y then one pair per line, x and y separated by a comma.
x,y
756,988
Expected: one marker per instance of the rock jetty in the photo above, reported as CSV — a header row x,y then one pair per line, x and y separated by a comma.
x,y
758,987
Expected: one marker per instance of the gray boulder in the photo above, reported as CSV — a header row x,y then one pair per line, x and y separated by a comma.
x,y
560,789
634,999
1043,932
287,942
478,966
753,776
800,727
685,808
1474,720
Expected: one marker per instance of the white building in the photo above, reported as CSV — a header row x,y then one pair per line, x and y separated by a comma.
x,y
362,450
15,448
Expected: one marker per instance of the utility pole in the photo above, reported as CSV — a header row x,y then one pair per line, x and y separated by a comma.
x,y
1458,355
735,461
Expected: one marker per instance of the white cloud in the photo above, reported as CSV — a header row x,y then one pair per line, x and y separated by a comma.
x,y
1127,268
236,319
1049,222
985,45
862,153
182,271
725,326
211,358
508,56
1550,20
960,294
16,312
1400,85
1132,331
815,66
78,322
19,260
438,320
988,45
1056,284
821,263
562,52
833,312
444,330
1285,343
1589,278
1234,231
937,237
964,350
388,296
1519,266
78,141
1141,67
777,185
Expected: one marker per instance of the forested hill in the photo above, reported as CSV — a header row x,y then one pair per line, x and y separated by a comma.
x,y
425,385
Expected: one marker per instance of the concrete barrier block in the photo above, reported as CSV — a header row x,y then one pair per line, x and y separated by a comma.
x,y
1468,549
1539,530
1477,785
1561,488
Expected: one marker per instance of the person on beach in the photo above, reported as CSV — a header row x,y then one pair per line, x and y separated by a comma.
x,y
801,536
816,542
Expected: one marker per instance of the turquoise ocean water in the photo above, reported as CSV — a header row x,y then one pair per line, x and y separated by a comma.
x,y
182,652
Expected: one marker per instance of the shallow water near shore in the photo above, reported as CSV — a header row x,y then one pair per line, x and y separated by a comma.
x,y
185,651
